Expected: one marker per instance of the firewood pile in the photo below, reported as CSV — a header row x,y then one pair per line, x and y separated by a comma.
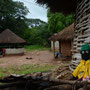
x,y
59,79
40,82
62,72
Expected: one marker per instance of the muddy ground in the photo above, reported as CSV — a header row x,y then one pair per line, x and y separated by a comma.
x,y
35,57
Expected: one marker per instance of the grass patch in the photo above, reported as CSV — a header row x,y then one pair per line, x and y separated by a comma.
x,y
36,47
25,69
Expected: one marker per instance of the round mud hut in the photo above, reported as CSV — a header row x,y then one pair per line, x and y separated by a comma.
x,y
12,43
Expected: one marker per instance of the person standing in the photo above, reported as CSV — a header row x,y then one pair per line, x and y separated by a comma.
x,y
4,51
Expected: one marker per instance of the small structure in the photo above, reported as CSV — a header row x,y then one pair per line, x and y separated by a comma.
x,y
62,42
54,42
12,43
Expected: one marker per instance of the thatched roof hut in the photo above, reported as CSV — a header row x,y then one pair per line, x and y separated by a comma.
x,y
13,44
53,37
62,41
66,6
65,34
7,36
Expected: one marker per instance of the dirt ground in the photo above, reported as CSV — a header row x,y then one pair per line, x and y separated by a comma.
x,y
35,57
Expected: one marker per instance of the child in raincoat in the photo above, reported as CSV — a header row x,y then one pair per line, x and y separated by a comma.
x,y
82,72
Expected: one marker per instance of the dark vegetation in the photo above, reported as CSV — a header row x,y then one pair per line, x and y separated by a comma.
x,y
34,31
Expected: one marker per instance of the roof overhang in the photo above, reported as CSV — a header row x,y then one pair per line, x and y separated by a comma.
x,y
65,6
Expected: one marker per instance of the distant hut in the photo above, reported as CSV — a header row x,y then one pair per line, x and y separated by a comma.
x,y
62,42
12,43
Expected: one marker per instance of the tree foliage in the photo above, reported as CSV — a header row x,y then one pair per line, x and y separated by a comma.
x,y
34,31
40,31
35,22
38,35
12,16
58,21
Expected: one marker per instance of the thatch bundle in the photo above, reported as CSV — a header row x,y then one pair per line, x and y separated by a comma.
x,y
8,36
66,6
65,34
53,38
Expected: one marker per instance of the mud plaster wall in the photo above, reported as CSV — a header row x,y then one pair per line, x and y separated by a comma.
x,y
66,48
14,51
56,45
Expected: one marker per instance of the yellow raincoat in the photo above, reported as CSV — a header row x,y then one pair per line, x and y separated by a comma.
x,y
82,70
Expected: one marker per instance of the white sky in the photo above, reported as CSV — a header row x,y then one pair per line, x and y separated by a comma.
x,y
36,11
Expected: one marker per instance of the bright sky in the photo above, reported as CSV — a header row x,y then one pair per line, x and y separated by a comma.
x,y
36,11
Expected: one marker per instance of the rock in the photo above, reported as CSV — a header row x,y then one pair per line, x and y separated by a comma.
x,y
38,53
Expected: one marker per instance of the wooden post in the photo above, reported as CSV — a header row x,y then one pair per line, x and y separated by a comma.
x,y
54,47
59,47
71,46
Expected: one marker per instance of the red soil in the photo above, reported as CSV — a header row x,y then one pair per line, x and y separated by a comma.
x,y
35,57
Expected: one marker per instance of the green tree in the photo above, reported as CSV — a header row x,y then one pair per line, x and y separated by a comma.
x,y
12,16
37,35
69,19
58,21
35,22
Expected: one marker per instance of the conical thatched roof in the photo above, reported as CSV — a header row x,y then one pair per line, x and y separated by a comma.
x,y
65,34
8,36
66,6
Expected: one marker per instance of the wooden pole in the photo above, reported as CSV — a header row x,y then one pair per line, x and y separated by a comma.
x,y
59,47
54,47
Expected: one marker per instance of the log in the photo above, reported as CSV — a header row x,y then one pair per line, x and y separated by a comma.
x,y
34,78
70,82
53,82
12,84
60,87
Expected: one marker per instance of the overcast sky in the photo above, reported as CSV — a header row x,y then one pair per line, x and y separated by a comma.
x,y
36,11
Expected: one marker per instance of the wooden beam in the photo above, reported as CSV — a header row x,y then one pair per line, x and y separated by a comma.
x,y
59,47
54,47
